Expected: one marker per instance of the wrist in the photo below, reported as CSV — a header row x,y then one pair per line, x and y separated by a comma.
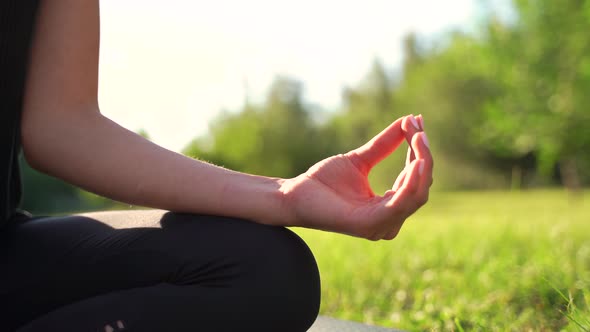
x,y
257,198
281,208
291,202
287,203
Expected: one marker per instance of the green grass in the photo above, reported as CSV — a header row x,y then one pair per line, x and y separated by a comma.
x,y
498,261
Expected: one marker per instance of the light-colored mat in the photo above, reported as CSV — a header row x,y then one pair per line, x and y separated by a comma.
x,y
328,324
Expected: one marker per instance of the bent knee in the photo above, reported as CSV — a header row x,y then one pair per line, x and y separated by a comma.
x,y
270,267
289,279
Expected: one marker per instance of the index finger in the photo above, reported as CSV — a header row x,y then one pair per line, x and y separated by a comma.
x,y
382,145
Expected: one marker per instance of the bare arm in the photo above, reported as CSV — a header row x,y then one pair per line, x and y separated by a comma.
x,y
65,135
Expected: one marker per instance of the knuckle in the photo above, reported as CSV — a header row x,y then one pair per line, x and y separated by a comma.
x,y
357,160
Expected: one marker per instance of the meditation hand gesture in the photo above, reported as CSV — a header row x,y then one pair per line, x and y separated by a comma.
x,y
335,194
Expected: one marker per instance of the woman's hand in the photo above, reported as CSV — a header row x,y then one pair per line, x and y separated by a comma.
x,y
335,194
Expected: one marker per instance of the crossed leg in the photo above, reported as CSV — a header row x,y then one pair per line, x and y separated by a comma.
x,y
155,271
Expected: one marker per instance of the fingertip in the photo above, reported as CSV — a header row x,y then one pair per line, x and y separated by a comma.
x,y
420,138
420,119
409,123
422,150
414,122
424,138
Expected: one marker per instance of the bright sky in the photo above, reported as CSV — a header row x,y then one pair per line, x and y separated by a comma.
x,y
169,66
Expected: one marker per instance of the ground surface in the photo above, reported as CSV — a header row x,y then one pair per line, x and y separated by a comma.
x,y
328,324
496,261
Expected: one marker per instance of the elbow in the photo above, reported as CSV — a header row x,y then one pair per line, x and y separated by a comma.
x,y
32,143
50,136
40,130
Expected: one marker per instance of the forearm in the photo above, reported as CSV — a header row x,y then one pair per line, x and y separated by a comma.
x,y
91,151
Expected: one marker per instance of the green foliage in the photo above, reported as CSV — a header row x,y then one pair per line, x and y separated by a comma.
x,y
44,194
449,88
504,108
477,261
143,133
541,67
277,138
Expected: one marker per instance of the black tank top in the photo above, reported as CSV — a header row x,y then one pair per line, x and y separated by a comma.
x,y
17,18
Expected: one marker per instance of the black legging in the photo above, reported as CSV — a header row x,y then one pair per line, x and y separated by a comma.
x,y
154,271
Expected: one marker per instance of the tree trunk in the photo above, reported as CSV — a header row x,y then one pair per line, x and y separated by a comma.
x,y
569,174
516,179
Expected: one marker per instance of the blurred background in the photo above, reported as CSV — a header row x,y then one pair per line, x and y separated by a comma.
x,y
271,87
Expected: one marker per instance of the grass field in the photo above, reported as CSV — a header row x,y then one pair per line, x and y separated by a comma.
x,y
498,261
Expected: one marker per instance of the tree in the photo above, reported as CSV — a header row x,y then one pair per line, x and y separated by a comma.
x,y
543,66
277,138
